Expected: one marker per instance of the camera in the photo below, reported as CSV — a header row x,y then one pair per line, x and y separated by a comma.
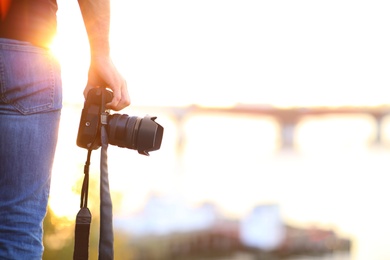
x,y
141,134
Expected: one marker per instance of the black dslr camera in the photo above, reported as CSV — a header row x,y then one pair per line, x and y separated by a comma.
x,y
141,134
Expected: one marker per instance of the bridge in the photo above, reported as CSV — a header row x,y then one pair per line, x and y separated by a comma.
x,y
287,118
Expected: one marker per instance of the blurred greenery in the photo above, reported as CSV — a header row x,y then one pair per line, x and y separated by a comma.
x,y
57,238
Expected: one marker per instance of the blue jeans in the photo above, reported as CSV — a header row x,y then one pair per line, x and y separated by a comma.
x,y
30,105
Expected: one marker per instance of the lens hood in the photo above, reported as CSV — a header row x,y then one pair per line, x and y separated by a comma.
x,y
150,135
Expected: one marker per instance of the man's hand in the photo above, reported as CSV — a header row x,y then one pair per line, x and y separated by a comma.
x,y
103,73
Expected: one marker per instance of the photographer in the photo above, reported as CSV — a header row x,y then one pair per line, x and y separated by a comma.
x,y
30,105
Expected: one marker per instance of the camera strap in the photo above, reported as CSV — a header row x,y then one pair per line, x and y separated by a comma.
x,y
106,248
84,217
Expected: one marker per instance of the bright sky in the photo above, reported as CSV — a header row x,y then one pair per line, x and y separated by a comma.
x,y
223,52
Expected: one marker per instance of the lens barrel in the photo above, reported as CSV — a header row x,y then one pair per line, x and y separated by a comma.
x,y
142,134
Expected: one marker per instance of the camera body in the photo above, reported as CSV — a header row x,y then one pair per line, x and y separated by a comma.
x,y
141,134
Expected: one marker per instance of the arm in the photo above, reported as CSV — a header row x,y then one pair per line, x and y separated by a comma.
x,y
102,71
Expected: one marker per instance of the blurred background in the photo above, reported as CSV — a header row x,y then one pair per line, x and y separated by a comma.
x,y
276,131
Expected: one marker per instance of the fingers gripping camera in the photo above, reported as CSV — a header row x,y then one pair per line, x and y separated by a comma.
x,y
141,134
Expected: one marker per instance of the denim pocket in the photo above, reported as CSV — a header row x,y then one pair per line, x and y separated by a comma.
x,y
29,78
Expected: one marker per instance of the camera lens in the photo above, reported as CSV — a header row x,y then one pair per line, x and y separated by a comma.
x,y
142,134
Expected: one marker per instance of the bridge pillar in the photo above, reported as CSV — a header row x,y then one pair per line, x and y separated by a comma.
x,y
379,121
288,119
180,117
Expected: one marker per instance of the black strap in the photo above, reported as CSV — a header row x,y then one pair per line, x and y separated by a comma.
x,y
106,248
83,218
84,189
81,243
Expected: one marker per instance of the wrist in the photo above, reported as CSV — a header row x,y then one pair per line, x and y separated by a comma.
x,y
99,50
99,58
